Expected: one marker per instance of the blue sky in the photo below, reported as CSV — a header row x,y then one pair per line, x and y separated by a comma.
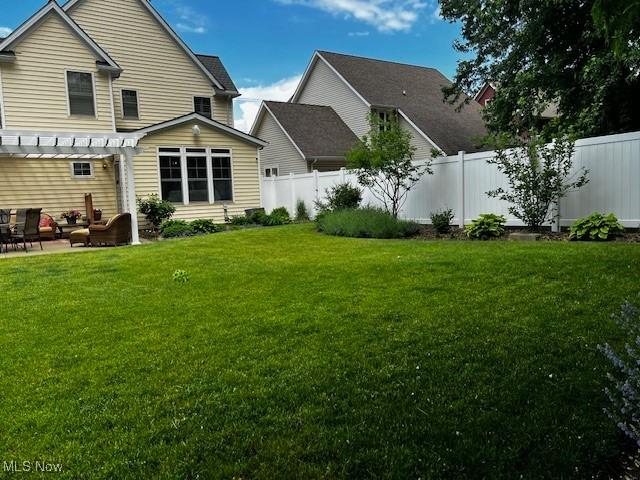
x,y
267,44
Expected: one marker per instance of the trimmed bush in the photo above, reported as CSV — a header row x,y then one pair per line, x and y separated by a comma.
x,y
486,226
204,226
596,227
365,223
441,221
278,216
176,229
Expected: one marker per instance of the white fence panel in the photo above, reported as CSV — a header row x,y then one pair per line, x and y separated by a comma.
x,y
461,183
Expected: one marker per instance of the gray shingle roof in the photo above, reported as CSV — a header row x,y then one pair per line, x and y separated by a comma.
x,y
317,130
217,69
417,91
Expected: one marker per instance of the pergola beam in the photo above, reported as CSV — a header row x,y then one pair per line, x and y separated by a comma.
x,y
33,150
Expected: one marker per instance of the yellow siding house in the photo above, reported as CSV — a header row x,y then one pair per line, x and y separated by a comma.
x,y
119,109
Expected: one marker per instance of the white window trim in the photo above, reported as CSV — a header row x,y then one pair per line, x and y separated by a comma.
x,y
202,96
158,153
271,167
206,153
233,175
139,117
93,85
183,169
81,177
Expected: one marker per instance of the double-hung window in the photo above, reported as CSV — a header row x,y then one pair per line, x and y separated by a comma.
x,y
197,178
189,175
130,108
222,182
171,174
202,105
81,169
271,172
81,94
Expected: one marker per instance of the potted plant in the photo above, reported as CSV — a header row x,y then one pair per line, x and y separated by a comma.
x,y
97,214
71,216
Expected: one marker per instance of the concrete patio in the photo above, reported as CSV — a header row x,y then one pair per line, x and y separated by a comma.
x,y
48,248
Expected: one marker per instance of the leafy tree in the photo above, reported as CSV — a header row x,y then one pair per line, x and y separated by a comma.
x,y
384,162
540,52
619,20
538,175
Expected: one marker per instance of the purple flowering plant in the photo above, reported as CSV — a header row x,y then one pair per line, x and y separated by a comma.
x,y
624,389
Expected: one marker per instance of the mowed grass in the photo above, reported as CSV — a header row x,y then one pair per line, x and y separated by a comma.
x,y
290,354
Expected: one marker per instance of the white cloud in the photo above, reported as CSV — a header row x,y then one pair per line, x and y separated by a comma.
x,y
384,15
358,34
183,27
5,31
248,104
190,21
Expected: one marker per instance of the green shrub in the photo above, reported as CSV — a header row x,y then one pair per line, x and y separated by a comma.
x,y
156,211
278,216
176,228
441,221
486,226
259,217
302,215
596,227
366,223
342,196
204,226
241,220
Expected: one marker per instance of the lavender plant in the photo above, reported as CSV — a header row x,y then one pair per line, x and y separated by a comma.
x,y
624,391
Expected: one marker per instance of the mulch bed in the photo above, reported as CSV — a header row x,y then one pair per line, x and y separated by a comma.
x,y
429,233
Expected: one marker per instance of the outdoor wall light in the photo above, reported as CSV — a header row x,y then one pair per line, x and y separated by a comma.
x,y
196,130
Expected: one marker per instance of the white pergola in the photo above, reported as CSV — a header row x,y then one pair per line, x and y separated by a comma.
x,y
63,145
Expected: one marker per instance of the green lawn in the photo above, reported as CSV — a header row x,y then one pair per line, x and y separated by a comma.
x,y
295,355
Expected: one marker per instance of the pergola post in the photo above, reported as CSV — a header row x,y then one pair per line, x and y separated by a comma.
x,y
131,196
124,202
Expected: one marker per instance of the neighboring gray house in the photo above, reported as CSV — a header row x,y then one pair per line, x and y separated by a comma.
x,y
355,86
302,138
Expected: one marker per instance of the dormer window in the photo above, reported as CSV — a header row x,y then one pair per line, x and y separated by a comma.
x,y
202,106
81,94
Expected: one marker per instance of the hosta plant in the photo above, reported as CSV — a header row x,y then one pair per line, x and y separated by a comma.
x,y
596,227
486,226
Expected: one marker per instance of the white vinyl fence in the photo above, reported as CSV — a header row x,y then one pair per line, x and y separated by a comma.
x,y
460,182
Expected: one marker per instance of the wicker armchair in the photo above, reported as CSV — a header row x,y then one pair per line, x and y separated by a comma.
x,y
116,232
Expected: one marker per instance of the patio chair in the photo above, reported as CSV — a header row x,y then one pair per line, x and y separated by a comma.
x,y
5,215
5,229
116,232
29,229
